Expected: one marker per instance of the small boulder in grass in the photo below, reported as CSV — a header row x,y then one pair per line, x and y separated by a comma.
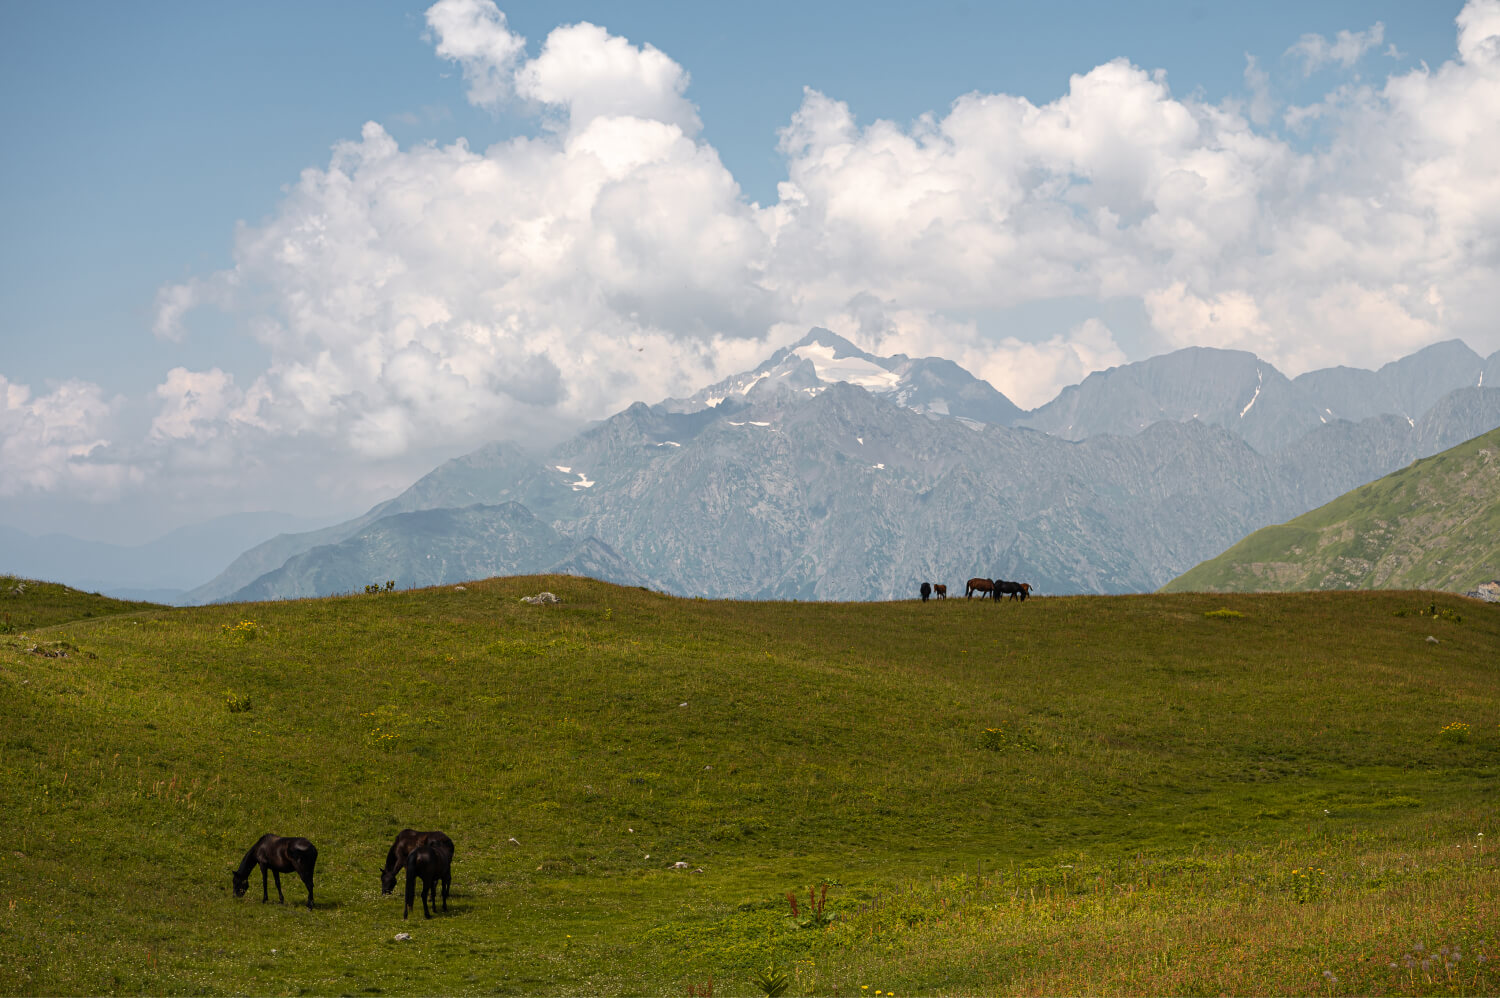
x,y
1431,640
540,599
403,937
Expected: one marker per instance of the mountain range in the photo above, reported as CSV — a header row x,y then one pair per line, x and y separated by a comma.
x,y
831,473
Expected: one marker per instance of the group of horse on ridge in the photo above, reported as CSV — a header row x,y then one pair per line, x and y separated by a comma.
x,y
994,588
426,856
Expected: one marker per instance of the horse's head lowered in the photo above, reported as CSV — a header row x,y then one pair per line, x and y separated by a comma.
x,y
241,884
388,879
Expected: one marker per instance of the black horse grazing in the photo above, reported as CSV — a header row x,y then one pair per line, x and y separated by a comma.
x,y
926,591
981,586
432,861
1015,590
278,855
406,841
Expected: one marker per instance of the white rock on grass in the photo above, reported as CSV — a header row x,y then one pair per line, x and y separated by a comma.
x,y
402,937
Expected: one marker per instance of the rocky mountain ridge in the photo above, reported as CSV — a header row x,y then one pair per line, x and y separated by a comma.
x,y
781,484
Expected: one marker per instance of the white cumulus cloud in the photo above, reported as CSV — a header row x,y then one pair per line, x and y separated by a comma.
x,y
1346,49
426,298
474,34
1030,373
57,442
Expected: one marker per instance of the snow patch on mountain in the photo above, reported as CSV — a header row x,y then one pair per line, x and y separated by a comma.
x,y
930,385
856,370
1260,380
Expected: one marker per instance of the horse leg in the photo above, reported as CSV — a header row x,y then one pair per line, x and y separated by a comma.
x,y
279,896
428,887
307,879
265,893
447,879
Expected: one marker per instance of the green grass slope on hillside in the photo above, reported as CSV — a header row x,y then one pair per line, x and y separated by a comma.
x,y
1432,525
1156,794
28,603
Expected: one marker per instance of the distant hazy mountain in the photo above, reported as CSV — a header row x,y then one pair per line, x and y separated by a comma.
x,y
1250,398
492,474
1227,388
1432,525
432,546
784,482
1407,387
160,571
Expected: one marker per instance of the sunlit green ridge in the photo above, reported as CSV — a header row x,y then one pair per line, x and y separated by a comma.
x,y
1432,525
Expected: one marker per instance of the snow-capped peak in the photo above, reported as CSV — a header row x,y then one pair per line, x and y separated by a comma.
x,y
929,385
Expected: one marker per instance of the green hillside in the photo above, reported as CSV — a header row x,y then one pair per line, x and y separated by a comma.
x,y
1155,794
1433,525
27,603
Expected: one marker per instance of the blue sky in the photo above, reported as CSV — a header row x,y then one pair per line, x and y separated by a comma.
x,y
141,136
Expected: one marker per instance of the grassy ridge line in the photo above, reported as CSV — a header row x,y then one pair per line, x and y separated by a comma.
x,y
818,741
30,603
1432,525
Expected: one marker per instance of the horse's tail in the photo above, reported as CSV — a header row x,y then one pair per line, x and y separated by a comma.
x,y
411,882
304,859
443,850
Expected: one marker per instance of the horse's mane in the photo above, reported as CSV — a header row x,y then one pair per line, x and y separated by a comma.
x,y
246,865
391,860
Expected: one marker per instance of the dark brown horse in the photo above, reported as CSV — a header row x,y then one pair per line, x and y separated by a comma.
x,y
984,587
432,861
278,855
940,591
1015,590
395,858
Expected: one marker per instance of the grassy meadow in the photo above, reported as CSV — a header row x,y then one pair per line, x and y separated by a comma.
x,y
1185,794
